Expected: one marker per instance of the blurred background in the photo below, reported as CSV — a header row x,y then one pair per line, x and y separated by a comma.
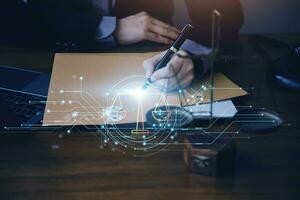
x,y
261,16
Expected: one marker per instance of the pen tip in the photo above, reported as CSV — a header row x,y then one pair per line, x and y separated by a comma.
x,y
145,86
147,83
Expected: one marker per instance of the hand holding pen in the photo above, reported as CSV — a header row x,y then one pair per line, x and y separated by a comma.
x,y
169,72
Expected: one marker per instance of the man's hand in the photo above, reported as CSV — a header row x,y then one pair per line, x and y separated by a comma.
x,y
179,72
140,27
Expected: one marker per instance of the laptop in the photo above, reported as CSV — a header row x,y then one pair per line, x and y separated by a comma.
x,y
23,94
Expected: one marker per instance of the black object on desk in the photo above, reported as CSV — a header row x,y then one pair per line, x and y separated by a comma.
x,y
284,71
217,159
257,120
22,93
177,116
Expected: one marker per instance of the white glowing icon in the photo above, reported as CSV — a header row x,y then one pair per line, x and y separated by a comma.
x,y
114,113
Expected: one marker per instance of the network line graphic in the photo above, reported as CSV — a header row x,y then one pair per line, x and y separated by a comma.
x,y
120,120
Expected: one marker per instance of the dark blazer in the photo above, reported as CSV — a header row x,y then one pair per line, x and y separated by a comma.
x,y
53,24
200,13
72,25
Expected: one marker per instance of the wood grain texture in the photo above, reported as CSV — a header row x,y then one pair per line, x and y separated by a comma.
x,y
42,166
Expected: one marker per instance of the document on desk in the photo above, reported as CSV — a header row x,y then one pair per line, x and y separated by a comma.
x,y
221,109
104,88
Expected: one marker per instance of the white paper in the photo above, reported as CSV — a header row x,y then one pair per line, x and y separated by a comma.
x,y
221,109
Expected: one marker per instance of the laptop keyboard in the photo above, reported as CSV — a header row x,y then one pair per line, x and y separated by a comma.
x,y
24,105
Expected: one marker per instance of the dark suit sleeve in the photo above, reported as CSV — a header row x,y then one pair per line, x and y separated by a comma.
x,y
67,29
55,25
200,12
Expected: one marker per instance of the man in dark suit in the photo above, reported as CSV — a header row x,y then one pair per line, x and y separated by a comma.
x,y
77,25
89,25
200,14
60,25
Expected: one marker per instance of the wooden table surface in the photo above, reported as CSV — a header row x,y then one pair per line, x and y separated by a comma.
x,y
43,166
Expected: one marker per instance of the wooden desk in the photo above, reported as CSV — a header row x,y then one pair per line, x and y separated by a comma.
x,y
42,166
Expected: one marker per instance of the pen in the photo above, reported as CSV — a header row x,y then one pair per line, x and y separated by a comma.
x,y
171,51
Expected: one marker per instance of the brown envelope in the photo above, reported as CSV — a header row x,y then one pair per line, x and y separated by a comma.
x,y
95,89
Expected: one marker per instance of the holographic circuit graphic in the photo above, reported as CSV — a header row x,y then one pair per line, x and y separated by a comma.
x,y
120,122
